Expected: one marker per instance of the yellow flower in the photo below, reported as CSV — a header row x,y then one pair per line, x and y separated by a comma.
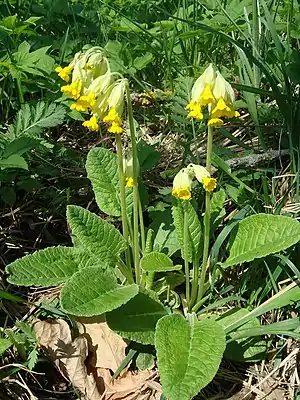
x,y
222,110
112,117
92,124
64,73
195,112
207,96
84,103
222,89
115,128
215,122
129,182
202,176
116,96
212,90
115,107
73,90
182,184
209,184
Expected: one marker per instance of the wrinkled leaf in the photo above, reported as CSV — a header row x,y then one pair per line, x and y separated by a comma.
x,y
189,353
136,320
94,291
260,235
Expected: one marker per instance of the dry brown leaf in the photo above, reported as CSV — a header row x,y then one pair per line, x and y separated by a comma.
x,y
131,386
107,347
69,356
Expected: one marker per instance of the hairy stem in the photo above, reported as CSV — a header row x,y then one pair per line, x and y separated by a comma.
x,y
122,195
136,200
186,255
206,218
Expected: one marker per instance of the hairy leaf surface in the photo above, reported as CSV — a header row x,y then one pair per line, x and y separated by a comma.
x,y
189,353
94,291
102,171
47,267
136,320
158,262
97,236
260,235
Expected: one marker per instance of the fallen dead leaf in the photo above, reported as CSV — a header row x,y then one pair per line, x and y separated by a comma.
x,y
107,347
69,356
142,385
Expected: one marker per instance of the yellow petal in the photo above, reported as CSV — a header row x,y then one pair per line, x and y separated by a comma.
x,y
129,182
215,122
209,184
115,128
91,124
207,96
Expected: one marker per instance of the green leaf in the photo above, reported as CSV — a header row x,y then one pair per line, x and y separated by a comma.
x,y
4,345
147,154
189,353
102,171
13,161
288,295
217,208
260,235
194,227
8,195
158,262
143,61
33,119
97,236
166,239
145,361
246,349
136,320
48,267
32,359
94,291
20,146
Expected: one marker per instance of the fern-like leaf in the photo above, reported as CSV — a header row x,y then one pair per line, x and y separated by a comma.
x,y
31,120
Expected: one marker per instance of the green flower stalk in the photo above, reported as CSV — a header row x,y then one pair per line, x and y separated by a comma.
x,y
213,93
136,199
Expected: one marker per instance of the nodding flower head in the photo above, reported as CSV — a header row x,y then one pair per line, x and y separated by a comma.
x,y
115,107
211,90
182,184
96,90
128,171
203,176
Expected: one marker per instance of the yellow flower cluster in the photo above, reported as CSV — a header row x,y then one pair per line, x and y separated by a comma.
x,y
95,89
182,183
211,90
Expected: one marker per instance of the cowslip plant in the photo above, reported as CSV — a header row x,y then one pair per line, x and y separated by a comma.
x,y
106,272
